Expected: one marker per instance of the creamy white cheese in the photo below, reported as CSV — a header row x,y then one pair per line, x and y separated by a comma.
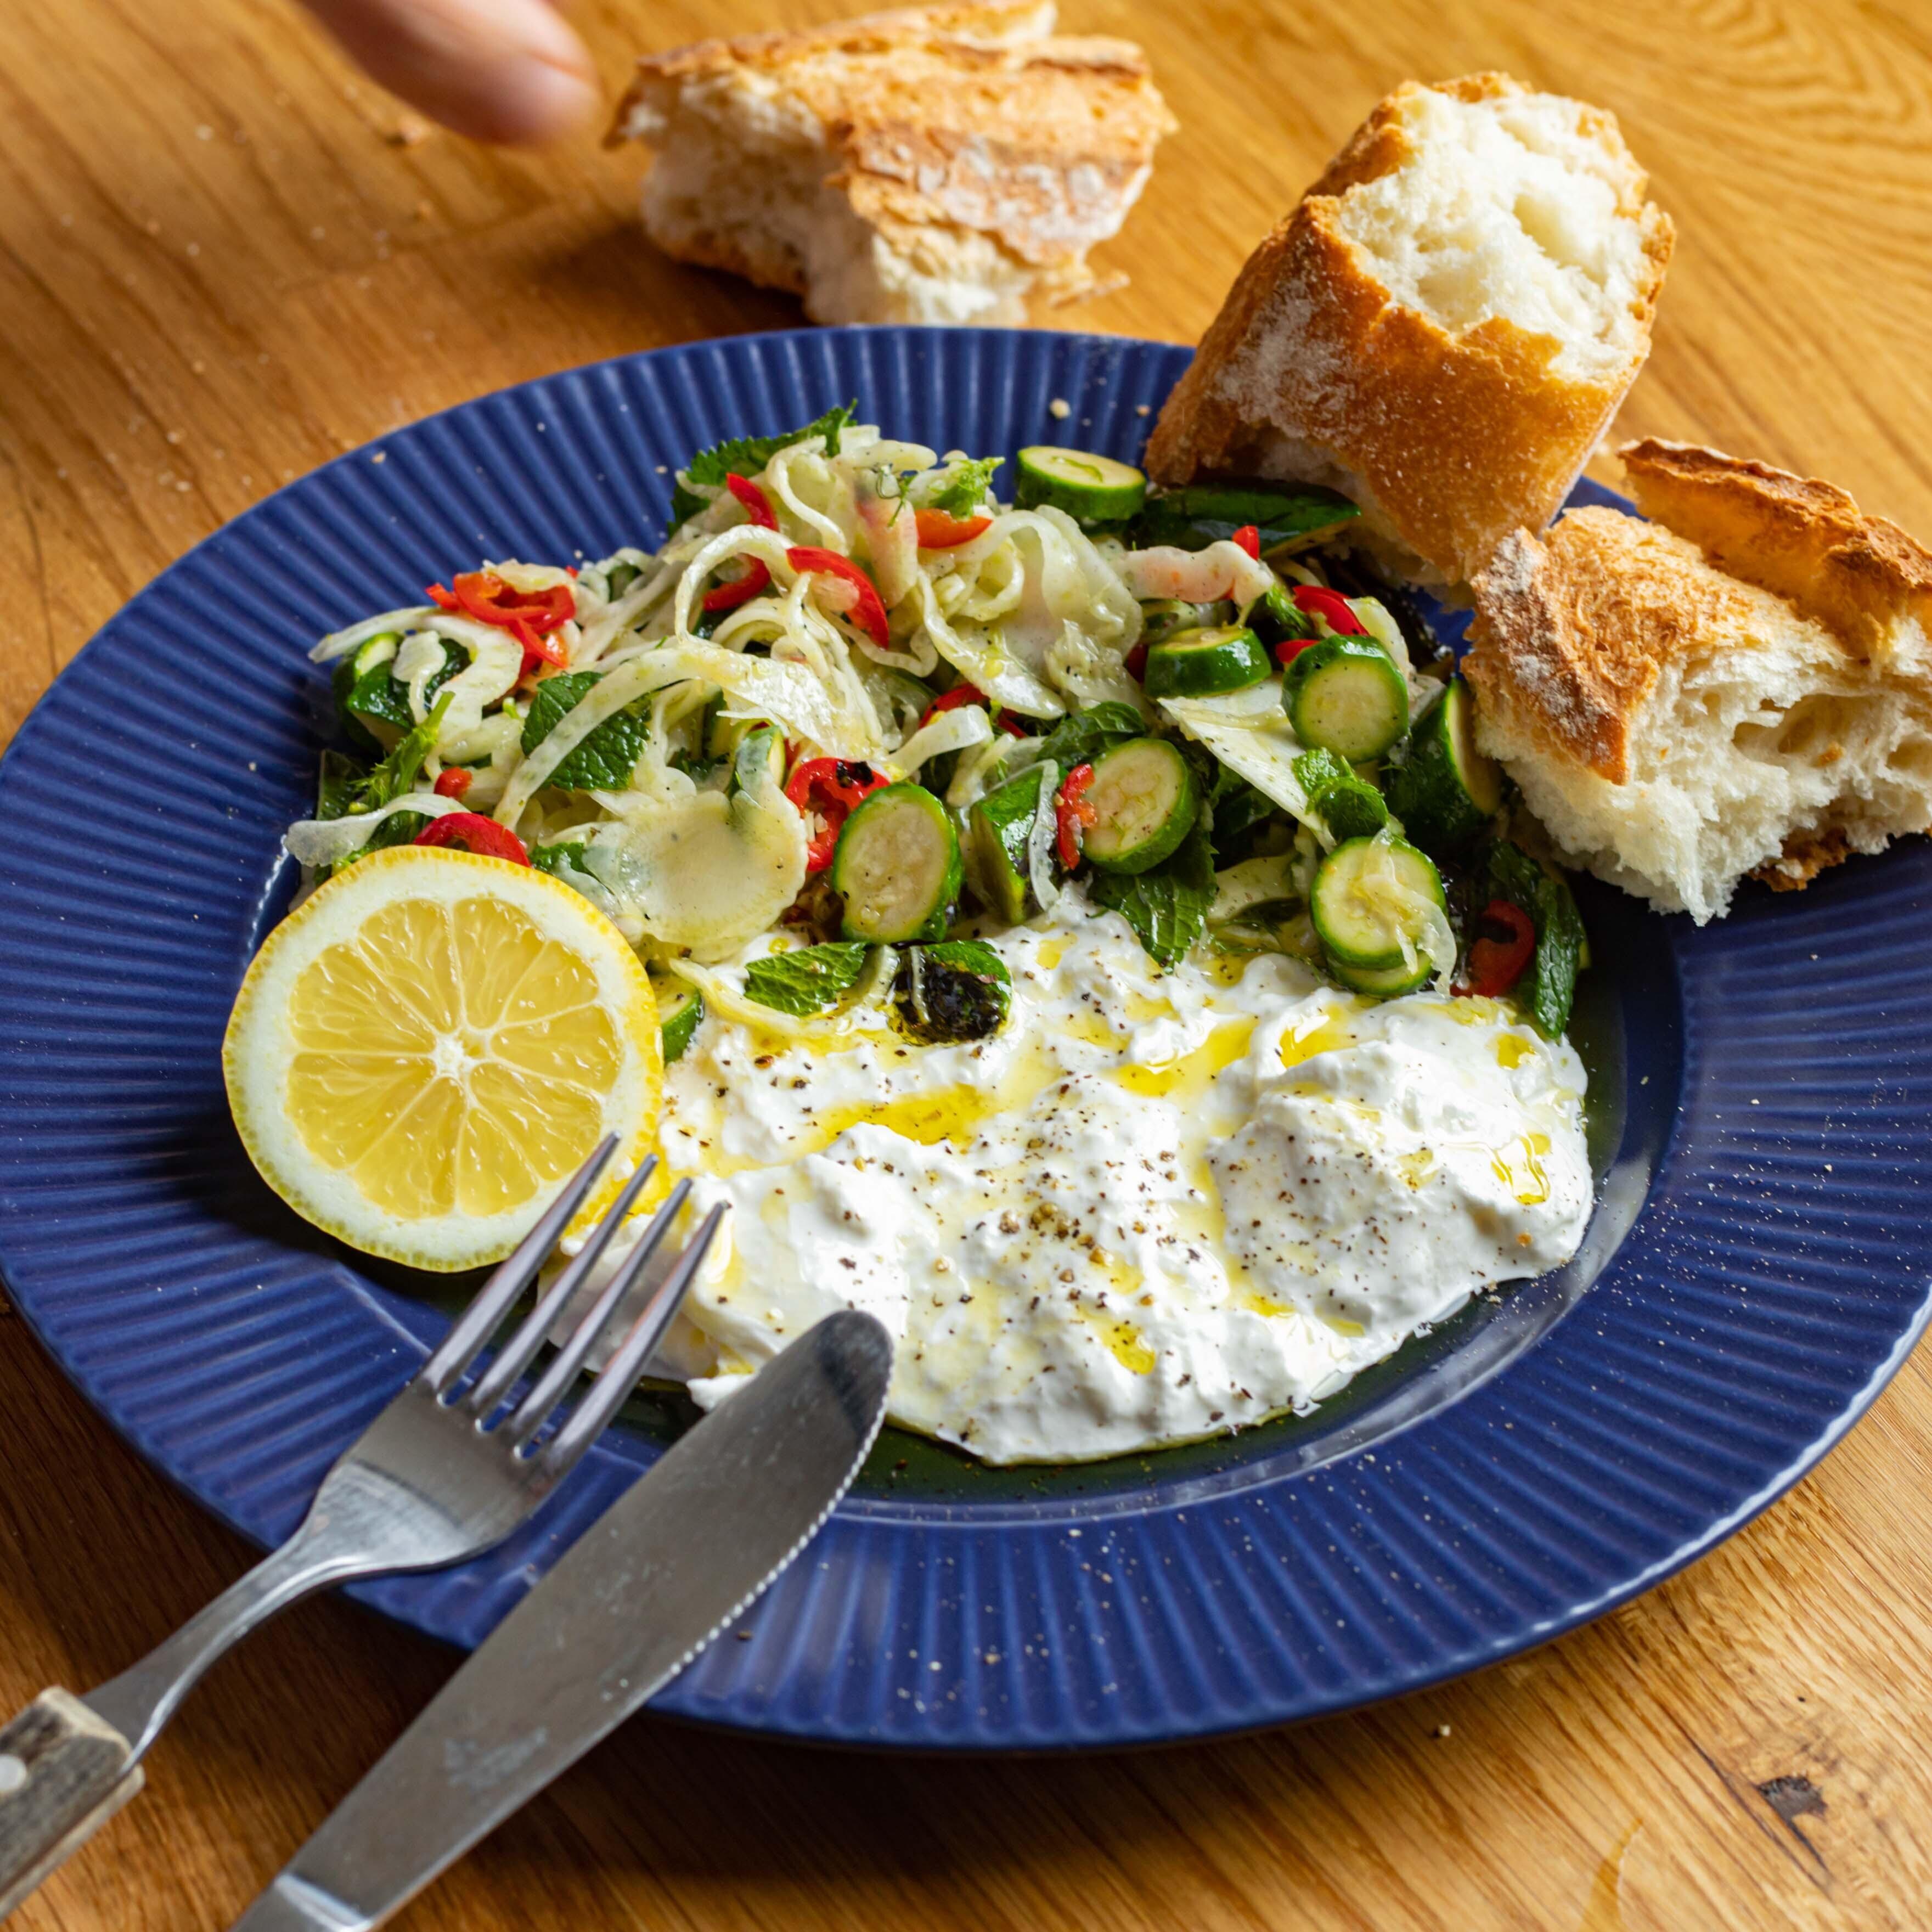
x,y
1154,1206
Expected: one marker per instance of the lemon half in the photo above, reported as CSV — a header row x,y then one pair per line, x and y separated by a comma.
x,y
421,1053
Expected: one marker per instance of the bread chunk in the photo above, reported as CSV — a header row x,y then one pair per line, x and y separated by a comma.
x,y
936,164
1442,329
1742,687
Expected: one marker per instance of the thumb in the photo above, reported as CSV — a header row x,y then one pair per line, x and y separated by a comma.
x,y
494,69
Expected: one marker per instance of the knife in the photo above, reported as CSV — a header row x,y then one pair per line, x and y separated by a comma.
x,y
681,1554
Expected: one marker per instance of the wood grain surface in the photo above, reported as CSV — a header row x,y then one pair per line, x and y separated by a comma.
x,y
223,258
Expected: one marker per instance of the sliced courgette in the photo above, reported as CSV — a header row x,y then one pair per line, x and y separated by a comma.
x,y
997,828
1363,901
1345,695
897,867
1144,802
1205,662
680,1008
1162,616
760,755
1446,791
617,579
1384,982
1348,805
1093,488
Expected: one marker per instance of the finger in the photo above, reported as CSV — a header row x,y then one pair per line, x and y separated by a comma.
x,y
508,70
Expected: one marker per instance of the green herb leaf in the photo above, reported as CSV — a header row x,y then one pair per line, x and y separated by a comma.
x,y
807,981
341,779
550,701
1077,739
380,694
745,456
398,773
966,487
559,858
1238,807
952,990
1548,987
604,759
1166,905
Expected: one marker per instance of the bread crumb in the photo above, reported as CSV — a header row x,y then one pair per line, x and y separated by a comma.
x,y
411,131
381,456
1441,1730
1060,408
1143,409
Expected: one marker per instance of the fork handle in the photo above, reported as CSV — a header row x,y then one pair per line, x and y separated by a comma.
x,y
64,1773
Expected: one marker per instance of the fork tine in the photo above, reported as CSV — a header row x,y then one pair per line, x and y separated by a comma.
x,y
535,1409
620,1374
515,1356
493,1300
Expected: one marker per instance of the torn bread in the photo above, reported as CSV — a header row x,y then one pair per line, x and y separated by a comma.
x,y
939,164
1442,329
1742,687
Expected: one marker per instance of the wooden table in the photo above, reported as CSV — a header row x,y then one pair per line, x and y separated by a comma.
x,y
225,258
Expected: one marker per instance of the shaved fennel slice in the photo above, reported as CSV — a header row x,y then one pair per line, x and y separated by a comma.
x,y
327,842
1040,839
982,661
1410,910
708,873
1249,732
339,643
955,730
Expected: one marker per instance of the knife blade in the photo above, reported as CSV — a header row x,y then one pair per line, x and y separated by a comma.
x,y
683,1552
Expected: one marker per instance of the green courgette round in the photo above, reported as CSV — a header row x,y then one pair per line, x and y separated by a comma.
x,y
1345,695
1144,802
1205,661
1386,982
897,867
680,1008
1362,901
1093,488
1446,790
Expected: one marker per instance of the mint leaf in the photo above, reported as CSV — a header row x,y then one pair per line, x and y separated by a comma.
x,y
398,773
745,456
1548,988
1166,905
550,701
559,859
604,759
968,486
1076,740
380,694
807,981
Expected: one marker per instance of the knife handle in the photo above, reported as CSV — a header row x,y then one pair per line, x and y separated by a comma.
x,y
64,1773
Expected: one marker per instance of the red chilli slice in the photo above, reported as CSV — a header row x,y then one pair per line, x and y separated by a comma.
x,y
1496,964
471,832
756,505
757,579
855,597
1331,605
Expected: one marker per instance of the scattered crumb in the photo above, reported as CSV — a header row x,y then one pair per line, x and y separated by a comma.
x,y
1060,408
204,132
1143,409
381,456
412,130
1441,1730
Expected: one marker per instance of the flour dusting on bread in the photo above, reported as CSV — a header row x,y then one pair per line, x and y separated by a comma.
x,y
941,164
1677,725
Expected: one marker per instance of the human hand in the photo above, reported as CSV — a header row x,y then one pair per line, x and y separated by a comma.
x,y
495,70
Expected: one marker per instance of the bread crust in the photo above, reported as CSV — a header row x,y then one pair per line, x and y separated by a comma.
x,y
1571,634
1804,540
1450,440
938,123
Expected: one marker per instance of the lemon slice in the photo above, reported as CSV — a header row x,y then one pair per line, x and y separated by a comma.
x,y
425,1050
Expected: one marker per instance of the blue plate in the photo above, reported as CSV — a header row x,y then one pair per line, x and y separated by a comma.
x,y
1757,1268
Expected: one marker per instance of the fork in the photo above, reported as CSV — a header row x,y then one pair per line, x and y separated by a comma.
x,y
430,1482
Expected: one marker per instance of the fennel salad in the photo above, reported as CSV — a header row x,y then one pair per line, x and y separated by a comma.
x,y
971,839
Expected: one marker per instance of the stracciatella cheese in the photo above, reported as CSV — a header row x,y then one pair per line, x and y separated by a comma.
x,y
1153,1207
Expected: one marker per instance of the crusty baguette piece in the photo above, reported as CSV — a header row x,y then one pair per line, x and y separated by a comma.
x,y
1442,329
934,164
1743,686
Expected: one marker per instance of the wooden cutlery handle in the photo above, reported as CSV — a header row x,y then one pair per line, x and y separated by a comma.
x,y
64,1773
